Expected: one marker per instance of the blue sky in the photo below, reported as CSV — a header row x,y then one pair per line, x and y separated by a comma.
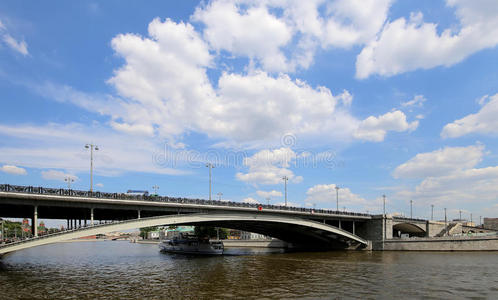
x,y
376,97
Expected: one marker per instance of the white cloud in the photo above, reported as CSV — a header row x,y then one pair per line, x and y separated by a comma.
x,y
58,146
440,162
100,185
483,122
450,177
375,128
269,194
407,45
16,45
250,200
19,46
13,169
417,101
57,175
324,195
269,167
267,31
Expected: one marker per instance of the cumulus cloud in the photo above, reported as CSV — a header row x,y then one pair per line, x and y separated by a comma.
x,y
269,194
483,122
375,128
440,162
325,195
100,185
450,176
13,170
57,175
406,45
281,36
269,167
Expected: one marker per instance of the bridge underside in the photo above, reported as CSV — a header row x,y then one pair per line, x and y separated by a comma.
x,y
407,228
299,232
299,236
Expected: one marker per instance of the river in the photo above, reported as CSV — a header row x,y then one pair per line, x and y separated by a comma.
x,y
123,270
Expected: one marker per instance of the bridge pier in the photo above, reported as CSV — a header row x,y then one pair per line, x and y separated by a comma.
x,y
91,216
139,214
34,222
340,225
79,223
354,229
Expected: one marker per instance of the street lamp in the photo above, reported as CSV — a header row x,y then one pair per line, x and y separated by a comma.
x,y
68,179
285,178
445,222
155,188
411,209
210,166
219,195
91,147
337,197
432,212
268,200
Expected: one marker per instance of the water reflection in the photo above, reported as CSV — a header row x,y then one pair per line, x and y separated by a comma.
x,y
116,270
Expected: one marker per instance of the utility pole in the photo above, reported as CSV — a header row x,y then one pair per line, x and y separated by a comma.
x,y
460,219
268,200
219,195
471,219
384,217
384,210
210,166
337,197
155,188
411,209
285,178
480,221
432,212
91,147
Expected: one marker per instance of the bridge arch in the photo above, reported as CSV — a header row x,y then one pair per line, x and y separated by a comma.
x,y
298,231
408,228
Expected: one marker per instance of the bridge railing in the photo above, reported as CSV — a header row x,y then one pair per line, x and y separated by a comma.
x,y
122,196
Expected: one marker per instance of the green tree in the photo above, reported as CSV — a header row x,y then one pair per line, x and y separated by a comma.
x,y
145,230
210,232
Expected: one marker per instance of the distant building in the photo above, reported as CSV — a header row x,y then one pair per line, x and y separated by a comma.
x,y
172,233
491,223
137,193
153,235
244,235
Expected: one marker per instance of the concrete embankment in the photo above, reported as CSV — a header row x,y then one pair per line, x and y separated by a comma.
x,y
484,243
238,243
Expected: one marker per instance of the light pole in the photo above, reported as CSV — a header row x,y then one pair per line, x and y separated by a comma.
x,y
219,195
460,219
471,219
411,209
445,222
68,179
432,212
337,197
384,217
285,178
155,188
3,237
480,221
384,201
91,147
268,200
210,166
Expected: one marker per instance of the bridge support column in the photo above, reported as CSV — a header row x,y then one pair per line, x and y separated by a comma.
x,y
67,227
79,223
35,221
139,214
354,229
91,216
340,227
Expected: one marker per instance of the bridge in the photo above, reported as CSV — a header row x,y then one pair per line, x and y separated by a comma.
x,y
88,213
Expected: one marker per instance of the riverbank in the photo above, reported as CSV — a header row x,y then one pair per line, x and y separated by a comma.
x,y
484,243
237,243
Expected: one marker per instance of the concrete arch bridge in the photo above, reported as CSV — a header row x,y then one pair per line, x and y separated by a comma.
x,y
297,231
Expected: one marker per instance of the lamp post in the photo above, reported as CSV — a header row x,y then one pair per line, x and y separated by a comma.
x,y
3,237
460,218
337,197
210,166
384,217
219,195
432,212
285,178
155,188
445,222
68,179
91,147
411,209
268,200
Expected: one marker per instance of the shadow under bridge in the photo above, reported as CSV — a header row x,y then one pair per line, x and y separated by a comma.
x,y
302,233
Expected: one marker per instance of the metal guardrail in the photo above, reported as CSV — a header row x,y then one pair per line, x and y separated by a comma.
x,y
75,230
122,196
408,219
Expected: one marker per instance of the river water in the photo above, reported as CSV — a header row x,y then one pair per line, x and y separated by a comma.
x,y
122,270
